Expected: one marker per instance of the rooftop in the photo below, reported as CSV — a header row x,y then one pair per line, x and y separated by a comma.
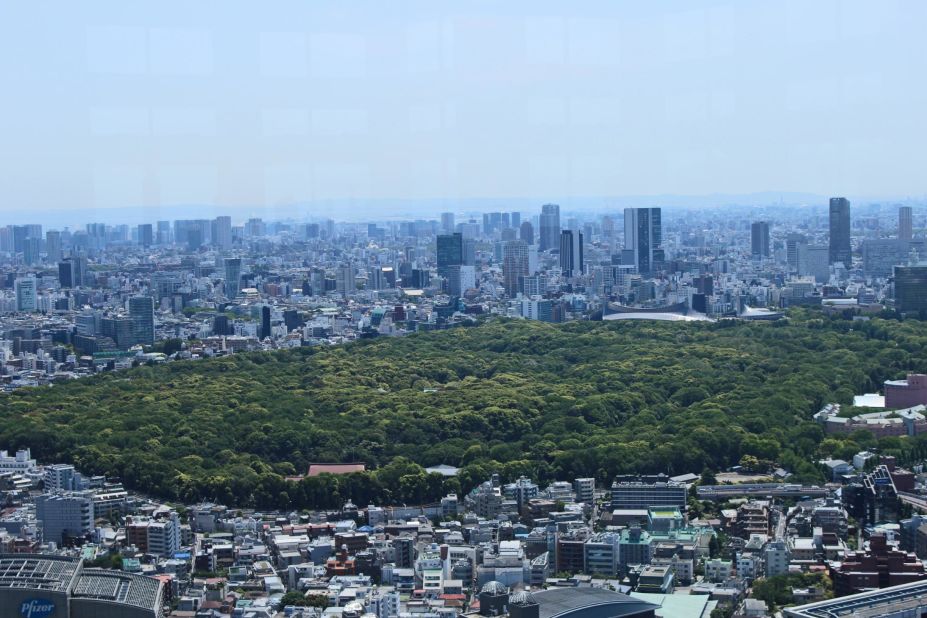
x,y
866,604
335,468
37,572
61,574
588,603
135,590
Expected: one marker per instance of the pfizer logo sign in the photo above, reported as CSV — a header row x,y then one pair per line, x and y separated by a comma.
x,y
37,608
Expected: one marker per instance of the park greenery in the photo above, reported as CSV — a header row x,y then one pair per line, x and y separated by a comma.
x,y
509,396
778,591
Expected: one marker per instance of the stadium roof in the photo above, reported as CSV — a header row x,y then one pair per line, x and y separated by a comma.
x,y
63,574
136,590
589,603
37,572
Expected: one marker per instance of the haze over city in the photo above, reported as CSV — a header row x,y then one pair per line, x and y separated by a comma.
x,y
323,109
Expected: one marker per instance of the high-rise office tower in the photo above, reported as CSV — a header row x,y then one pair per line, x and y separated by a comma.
x,y
514,264
52,246
840,247
905,223
571,253
66,274
813,260
20,233
460,278
792,244
141,310
80,272
469,252
265,321
223,233
345,279
608,226
759,239
31,249
145,235
910,288
232,277
25,288
291,320
515,220
450,252
526,232
550,226
255,227
164,232
447,222
71,272
643,239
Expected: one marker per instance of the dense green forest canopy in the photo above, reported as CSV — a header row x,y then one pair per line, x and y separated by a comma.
x,y
509,396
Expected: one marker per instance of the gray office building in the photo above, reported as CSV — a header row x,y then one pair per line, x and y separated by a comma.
x,y
232,277
64,515
905,223
759,239
549,223
141,310
643,239
647,495
840,248
571,253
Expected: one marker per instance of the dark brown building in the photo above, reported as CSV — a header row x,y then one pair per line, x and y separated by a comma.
x,y
878,567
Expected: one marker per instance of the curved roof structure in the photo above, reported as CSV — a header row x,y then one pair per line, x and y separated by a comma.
x,y
494,588
522,597
590,603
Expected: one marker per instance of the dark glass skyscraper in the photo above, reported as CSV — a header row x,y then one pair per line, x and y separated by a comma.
x,y
450,252
571,253
265,321
526,232
911,288
232,277
840,248
141,310
905,223
643,239
759,239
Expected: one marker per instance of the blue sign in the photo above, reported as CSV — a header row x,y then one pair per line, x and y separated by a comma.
x,y
37,608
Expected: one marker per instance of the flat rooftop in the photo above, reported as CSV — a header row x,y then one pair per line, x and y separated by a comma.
x,y
866,604
588,603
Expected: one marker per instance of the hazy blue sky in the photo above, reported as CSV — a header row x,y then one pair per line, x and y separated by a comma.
x,y
109,104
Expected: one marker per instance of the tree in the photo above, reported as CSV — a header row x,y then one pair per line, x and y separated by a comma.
x,y
295,598
510,397
714,548
749,463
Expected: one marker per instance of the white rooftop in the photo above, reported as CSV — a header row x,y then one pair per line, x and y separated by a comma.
x,y
869,400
